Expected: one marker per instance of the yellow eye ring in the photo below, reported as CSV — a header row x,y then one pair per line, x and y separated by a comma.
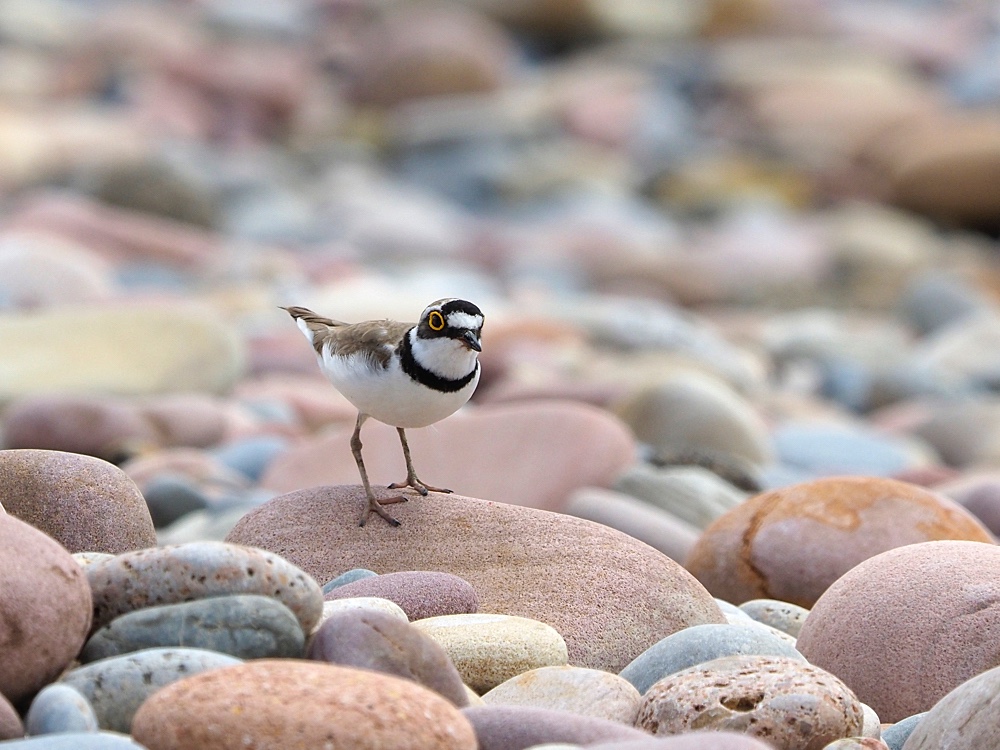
x,y
436,321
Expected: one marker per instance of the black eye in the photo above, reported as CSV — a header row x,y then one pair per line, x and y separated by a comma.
x,y
436,321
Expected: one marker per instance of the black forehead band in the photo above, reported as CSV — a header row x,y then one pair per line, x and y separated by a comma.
x,y
460,305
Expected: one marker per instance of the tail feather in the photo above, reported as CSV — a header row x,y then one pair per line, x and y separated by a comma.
x,y
314,327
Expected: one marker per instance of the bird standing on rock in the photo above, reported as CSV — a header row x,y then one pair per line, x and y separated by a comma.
x,y
402,374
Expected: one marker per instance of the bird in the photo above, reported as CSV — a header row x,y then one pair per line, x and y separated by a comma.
x,y
406,375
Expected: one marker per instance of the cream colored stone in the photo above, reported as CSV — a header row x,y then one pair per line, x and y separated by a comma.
x,y
117,349
588,692
489,649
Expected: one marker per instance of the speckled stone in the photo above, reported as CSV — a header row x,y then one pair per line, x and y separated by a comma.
x,y
917,613
856,743
588,692
349,576
420,593
521,561
246,626
10,723
489,649
199,570
791,543
321,704
87,558
374,640
784,616
84,503
787,702
60,708
515,727
701,643
116,687
45,609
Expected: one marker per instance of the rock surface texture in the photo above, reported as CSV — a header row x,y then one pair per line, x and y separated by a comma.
x,y
520,561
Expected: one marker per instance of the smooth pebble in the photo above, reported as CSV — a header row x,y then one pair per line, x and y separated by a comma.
x,y
246,626
59,708
117,686
489,649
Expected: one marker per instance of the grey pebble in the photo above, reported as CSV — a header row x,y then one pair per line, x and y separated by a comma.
x,y
246,626
60,708
701,643
116,687
170,497
251,456
895,736
350,576
75,741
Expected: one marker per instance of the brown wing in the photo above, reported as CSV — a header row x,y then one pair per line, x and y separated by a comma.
x,y
375,338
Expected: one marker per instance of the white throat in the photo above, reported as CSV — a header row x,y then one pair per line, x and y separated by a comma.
x,y
446,358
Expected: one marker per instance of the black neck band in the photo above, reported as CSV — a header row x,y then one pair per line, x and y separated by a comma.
x,y
424,376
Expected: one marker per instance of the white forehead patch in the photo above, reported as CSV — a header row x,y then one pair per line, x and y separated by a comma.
x,y
465,320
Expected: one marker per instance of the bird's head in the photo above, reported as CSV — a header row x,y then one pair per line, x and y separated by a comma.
x,y
454,319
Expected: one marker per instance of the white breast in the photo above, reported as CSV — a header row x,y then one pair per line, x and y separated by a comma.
x,y
390,395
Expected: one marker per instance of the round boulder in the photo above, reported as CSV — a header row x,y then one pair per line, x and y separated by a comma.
x,y
792,543
520,561
909,625
321,705
45,609
84,503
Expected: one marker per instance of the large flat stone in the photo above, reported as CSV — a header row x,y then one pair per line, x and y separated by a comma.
x,y
610,596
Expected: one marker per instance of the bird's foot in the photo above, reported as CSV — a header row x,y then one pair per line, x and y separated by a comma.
x,y
375,506
423,489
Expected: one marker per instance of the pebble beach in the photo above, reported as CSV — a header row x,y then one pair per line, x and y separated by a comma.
x,y
730,479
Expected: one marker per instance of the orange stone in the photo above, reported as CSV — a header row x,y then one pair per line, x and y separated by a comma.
x,y
793,542
273,704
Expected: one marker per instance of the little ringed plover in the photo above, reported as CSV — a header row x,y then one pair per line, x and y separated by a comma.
x,y
402,374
